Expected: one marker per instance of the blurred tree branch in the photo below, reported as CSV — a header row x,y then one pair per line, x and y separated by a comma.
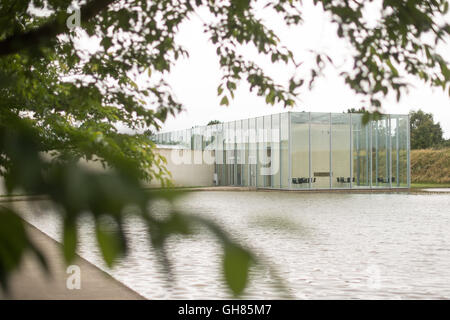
x,y
48,32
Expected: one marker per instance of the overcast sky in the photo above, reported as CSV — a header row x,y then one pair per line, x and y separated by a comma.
x,y
195,80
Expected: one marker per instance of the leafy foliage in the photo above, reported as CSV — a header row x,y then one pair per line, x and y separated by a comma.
x,y
393,47
213,122
14,242
424,132
236,276
62,102
359,110
367,114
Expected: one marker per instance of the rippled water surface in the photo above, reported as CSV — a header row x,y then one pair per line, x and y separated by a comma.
x,y
324,245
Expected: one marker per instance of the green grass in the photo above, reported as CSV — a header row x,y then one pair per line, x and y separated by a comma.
x,y
430,166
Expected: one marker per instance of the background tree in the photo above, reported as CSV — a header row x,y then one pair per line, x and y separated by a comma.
x,y
359,110
61,99
213,122
445,143
425,133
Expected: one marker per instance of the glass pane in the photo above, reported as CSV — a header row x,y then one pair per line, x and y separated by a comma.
x,y
275,153
238,152
380,153
394,151
220,154
212,148
361,152
267,152
230,156
193,138
300,150
284,145
260,154
403,150
207,139
252,157
189,140
340,151
202,133
244,135
320,150
177,138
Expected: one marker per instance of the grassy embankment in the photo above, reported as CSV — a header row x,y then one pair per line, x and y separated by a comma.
x,y
430,168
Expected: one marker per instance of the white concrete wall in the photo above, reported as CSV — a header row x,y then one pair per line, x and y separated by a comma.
x,y
194,172
195,169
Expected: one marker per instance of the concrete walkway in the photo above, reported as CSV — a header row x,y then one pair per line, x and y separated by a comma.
x,y
262,189
436,190
30,282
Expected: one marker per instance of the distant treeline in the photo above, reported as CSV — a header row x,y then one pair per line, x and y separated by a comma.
x,y
425,133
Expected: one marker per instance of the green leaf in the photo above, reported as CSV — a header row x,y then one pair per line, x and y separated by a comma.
x,y
69,240
231,85
106,43
366,118
270,98
224,101
13,242
393,69
108,242
236,265
134,85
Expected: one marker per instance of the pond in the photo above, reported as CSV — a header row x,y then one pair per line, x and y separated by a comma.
x,y
323,245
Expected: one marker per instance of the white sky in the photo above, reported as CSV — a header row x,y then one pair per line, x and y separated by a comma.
x,y
195,80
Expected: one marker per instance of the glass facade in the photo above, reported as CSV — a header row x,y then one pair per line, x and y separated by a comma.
x,y
303,150
360,152
340,151
300,156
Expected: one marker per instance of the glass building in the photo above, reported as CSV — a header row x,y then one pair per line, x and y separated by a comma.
x,y
303,150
